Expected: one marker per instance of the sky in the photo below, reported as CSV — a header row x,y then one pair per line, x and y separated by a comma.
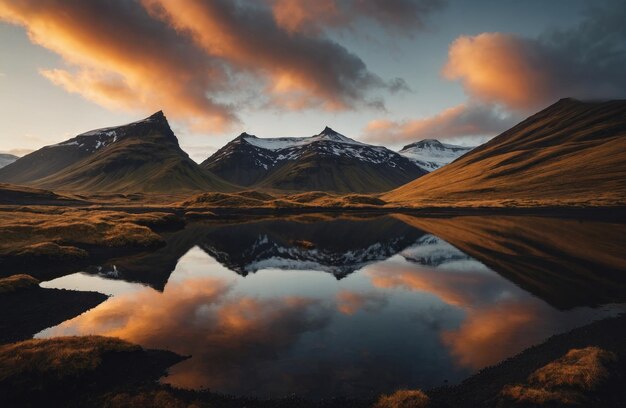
x,y
387,72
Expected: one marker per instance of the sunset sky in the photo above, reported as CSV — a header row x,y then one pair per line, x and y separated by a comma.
x,y
387,72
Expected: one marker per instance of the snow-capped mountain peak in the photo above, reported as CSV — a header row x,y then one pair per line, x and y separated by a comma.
x,y
431,154
249,159
94,140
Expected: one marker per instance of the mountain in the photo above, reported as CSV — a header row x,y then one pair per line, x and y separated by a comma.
x,y
6,159
431,154
142,156
328,161
571,153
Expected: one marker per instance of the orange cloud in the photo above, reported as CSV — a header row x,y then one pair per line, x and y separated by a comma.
x,y
121,58
505,72
301,71
450,287
526,74
466,121
500,319
197,60
500,68
228,337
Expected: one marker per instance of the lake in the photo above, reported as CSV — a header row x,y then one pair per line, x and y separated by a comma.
x,y
322,305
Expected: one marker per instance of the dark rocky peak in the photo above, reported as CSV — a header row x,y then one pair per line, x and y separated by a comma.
x,y
329,132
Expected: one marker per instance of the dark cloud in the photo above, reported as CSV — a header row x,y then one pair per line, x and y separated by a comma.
x,y
314,16
300,71
199,60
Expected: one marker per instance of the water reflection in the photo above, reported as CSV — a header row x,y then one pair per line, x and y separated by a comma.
x,y
416,312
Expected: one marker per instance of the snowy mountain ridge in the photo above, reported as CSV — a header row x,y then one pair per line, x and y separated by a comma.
x,y
431,154
93,140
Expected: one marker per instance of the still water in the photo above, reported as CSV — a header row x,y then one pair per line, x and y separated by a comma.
x,y
325,306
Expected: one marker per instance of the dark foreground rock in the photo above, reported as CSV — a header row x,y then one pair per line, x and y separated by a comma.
x,y
27,312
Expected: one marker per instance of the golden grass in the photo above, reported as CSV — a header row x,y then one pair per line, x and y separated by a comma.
x,y
62,357
572,153
403,399
565,380
151,398
59,233
255,199
17,282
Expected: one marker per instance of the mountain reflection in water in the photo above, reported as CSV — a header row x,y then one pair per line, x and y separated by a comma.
x,y
325,306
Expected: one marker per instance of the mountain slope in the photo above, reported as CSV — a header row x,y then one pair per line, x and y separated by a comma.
x,y
6,159
328,161
142,156
431,154
571,153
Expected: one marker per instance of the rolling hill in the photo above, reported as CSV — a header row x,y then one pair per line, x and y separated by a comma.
x,y
327,161
571,153
142,156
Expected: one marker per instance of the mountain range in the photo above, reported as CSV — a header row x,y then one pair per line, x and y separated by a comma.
x,y
145,156
572,152
328,161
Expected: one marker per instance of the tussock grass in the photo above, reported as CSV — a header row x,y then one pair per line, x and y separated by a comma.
x,y
59,358
565,380
255,199
149,398
403,399
66,235
17,282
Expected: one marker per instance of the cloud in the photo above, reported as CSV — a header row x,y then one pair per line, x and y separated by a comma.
x,y
230,338
122,58
526,74
500,319
468,122
314,16
297,71
200,61
508,77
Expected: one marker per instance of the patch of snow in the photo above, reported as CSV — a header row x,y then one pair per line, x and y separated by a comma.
x,y
431,154
279,143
